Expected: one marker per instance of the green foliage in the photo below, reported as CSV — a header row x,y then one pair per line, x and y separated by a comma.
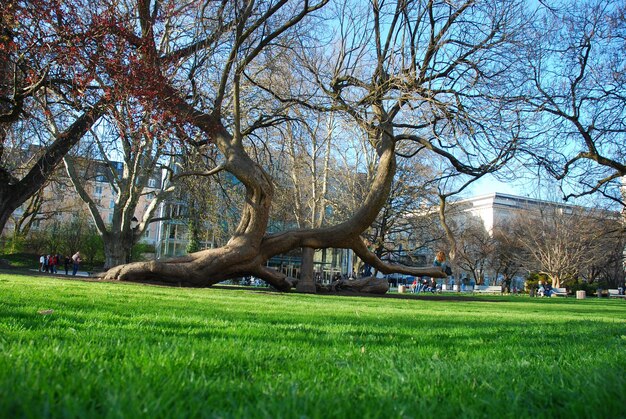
x,y
21,260
66,238
112,349
15,244
194,238
36,242
193,245
533,279
92,246
139,249
589,288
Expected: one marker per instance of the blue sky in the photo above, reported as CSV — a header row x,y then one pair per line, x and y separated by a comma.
x,y
489,184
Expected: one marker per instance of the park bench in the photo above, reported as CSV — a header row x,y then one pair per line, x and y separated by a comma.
x,y
488,289
559,292
615,293
458,289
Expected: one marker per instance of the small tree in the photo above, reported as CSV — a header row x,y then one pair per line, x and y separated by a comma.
x,y
507,252
475,248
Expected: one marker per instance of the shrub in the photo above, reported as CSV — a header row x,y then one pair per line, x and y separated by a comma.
x,y
22,259
140,250
533,279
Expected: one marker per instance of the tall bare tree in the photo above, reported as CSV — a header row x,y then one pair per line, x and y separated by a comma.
x,y
475,248
506,259
309,152
576,67
563,243
140,144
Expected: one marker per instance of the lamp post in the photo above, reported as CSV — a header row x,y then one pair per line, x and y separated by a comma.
x,y
134,223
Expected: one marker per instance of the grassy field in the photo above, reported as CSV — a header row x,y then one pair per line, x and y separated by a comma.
x,y
124,350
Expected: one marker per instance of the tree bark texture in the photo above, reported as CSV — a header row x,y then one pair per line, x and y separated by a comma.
x,y
307,278
368,285
117,249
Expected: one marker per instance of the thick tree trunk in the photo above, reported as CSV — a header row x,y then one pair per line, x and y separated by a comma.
x,y
116,250
7,206
200,269
248,250
307,276
242,255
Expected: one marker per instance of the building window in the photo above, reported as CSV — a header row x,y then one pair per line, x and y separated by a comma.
x,y
111,204
176,211
98,191
152,183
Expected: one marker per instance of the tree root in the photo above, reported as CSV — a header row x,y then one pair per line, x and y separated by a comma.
x,y
369,285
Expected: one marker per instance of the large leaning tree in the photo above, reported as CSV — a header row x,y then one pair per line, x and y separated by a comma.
x,y
425,73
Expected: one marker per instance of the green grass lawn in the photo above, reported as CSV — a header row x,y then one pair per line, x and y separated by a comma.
x,y
125,350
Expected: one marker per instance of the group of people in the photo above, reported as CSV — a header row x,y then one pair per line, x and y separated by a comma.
x,y
425,285
50,263
545,290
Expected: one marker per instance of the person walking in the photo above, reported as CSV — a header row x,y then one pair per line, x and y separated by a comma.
x,y
67,262
76,262
42,263
54,260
